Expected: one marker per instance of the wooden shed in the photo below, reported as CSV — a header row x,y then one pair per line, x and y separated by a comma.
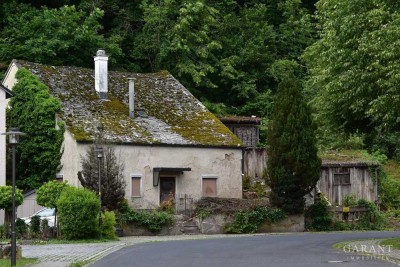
x,y
340,179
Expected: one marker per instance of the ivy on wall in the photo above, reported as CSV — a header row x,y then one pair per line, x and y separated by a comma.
x,y
33,111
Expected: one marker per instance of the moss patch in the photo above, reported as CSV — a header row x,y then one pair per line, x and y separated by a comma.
x,y
173,112
346,155
392,169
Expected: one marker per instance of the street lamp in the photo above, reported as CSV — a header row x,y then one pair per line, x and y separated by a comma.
x,y
13,134
100,154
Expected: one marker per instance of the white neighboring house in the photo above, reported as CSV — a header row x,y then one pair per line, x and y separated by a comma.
x,y
4,94
168,141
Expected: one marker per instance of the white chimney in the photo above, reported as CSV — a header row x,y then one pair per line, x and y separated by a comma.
x,y
101,73
131,97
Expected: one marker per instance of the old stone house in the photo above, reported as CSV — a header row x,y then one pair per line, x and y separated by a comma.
x,y
168,141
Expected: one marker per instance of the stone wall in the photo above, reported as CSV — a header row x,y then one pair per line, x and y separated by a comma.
x,y
293,223
215,224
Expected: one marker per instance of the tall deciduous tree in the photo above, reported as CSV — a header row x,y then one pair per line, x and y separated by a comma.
x,y
64,36
112,181
293,164
354,68
33,111
48,194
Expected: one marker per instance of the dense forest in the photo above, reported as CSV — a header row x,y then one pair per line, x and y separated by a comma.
x,y
232,55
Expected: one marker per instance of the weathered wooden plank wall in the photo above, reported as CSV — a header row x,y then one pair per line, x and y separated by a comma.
x,y
362,185
255,162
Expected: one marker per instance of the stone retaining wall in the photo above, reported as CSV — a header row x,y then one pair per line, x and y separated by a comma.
x,y
215,224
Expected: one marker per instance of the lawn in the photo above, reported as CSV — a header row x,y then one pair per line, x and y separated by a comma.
x,y
394,242
20,262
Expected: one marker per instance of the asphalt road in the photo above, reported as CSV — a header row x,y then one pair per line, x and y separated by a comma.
x,y
286,250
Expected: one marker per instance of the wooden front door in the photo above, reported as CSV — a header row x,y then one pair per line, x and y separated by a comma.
x,y
167,188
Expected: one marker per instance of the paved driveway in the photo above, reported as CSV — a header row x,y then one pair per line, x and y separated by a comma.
x,y
304,249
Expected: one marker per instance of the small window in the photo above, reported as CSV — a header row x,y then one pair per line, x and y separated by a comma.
x,y
209,187
341,176
136,189
59,178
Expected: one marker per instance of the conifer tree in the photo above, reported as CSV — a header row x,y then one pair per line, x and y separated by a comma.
x,y
293,164
112,181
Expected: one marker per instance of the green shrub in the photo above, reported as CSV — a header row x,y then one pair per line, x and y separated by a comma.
x,y
246,183
78,211
2,231
321,218
35,226
21,228
152,221
249,221
203,213
108,225
350,200
371,220
389,191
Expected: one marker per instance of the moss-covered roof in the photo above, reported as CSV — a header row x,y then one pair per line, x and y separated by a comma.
x,y
347,158
175,116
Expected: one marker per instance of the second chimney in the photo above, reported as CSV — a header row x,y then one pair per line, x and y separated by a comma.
x,y
101,73
131,97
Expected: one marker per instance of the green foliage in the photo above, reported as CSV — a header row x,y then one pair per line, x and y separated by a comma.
x,y
373,219
35,226
321,218
78,210
203,213
228,52
33,110
352,65
54,36
349,200
48,194
112,181
293,165
108,225
253,187
389,191
152,221
249,221
246,183
6,197
2,231
21,228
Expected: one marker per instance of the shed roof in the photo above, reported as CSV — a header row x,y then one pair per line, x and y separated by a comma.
x,y
173,115
348,164
347,158
240,120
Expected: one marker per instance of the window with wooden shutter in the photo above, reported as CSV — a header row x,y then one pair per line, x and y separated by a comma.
x,y
209,187
136,186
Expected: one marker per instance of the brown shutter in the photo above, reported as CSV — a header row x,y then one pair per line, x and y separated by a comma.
x,y
209,187
136,187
